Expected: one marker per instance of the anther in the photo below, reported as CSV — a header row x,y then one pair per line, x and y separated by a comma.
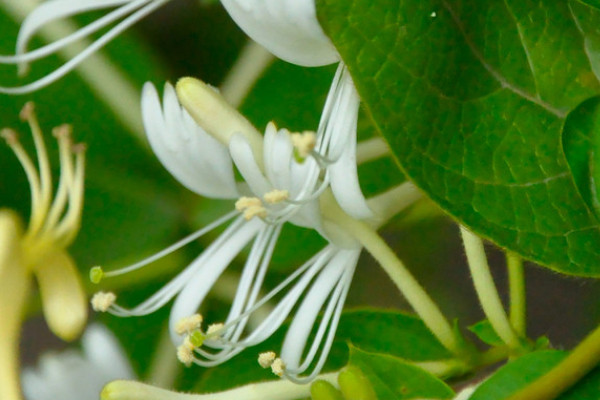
x,y
276,196
185,352
188,324
304,143
252,207
96,274
266,359
10,136
62,131
214,328
27,111
103,300
278,367
78,148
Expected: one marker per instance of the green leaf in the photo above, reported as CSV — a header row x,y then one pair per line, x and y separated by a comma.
x,y
484,331
519,373
393,378
472,98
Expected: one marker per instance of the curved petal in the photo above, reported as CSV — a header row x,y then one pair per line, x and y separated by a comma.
x,y
209,266
63,298
242,155
333,284
287,28
193,157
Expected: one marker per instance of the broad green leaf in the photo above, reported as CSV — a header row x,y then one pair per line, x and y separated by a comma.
x,y
486,333
472,98
393,378
379,331
519,373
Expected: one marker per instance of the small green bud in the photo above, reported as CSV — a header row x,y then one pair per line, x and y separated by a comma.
x,y
355,385
323,390
96,274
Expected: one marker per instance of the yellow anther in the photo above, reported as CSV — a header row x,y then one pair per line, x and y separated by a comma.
x,y
62,131
27,111
278,367
188,324
304,143
185,352
214,328
103,300
10,136
251,207
266,359
276,196
96,274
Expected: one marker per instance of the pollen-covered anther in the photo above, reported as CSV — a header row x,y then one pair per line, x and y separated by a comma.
x,y
278,367
10,136
185,352
276,196
251,207
214,328
62,131
27,111
103,300
188,324
304,142
266,359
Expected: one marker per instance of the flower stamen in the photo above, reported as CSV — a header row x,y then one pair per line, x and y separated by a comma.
x,y
304,143
102,301
188,324
266,359
276,196
251,207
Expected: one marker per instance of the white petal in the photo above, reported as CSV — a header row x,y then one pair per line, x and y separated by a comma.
x,y
104,351
295,340
345,186
278,154
287,28
192,156
210,265
242,155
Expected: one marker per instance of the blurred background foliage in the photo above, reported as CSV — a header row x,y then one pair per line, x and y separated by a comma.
x,y
133,207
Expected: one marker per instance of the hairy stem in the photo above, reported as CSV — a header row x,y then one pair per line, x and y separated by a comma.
x,y
516,282
486,289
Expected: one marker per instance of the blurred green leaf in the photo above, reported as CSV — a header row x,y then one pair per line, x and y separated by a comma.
x,y
468,96
394,378
484,331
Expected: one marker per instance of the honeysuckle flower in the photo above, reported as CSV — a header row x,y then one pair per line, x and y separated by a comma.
x,y
291,31
277,189
78,375
124,14
40,251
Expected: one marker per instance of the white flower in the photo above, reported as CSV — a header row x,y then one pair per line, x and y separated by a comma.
x,y
287,191
125,14
78,375
287,28
291,31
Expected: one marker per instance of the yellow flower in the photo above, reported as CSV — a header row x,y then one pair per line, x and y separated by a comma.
x,y
39,250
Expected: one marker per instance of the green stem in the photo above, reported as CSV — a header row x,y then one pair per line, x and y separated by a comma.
x,y
516,282
569,371
486,289
416,296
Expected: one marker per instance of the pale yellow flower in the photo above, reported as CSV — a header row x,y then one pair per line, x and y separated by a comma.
x,y
39,250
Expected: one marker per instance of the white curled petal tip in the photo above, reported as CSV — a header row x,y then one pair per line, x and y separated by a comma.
x,y
193,157
287,28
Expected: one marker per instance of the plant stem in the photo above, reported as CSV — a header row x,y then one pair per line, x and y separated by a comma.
x,y
569,371
516,282
416,296
486,289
